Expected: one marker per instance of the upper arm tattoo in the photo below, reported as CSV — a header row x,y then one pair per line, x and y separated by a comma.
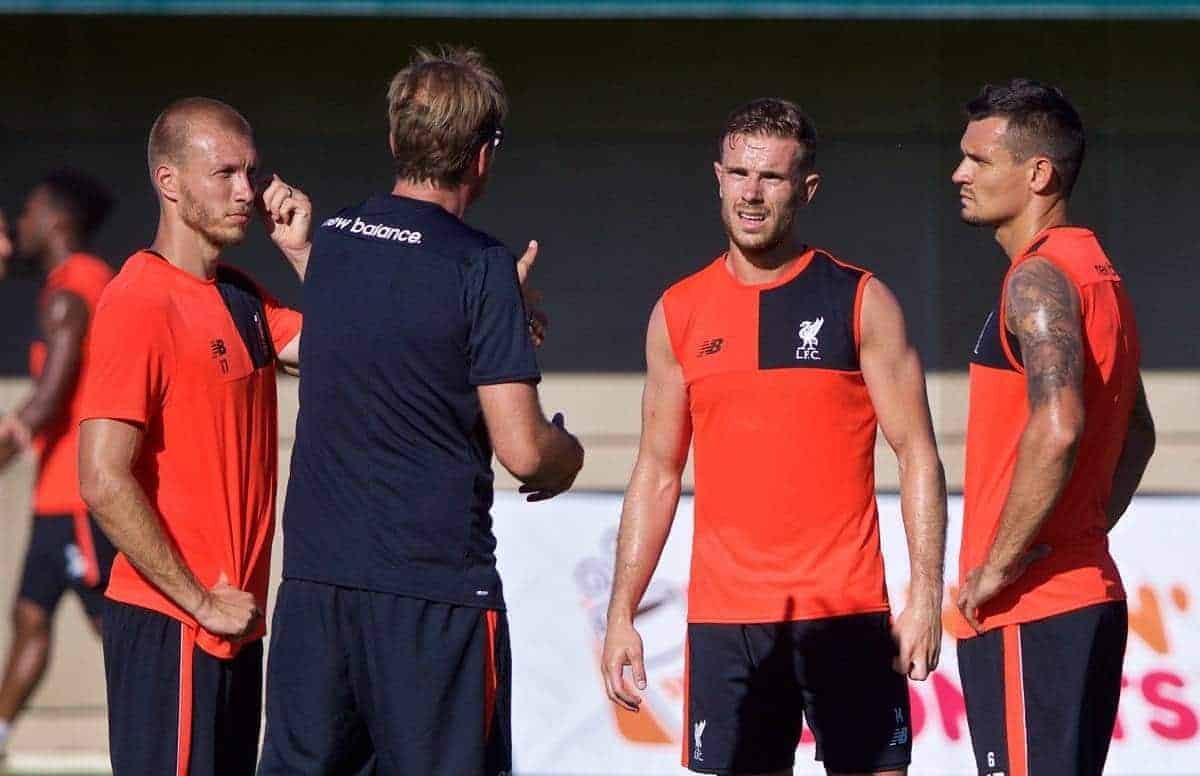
x,y
1042,310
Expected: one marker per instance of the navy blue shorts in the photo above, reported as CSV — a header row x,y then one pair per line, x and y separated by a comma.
x,y
173,709
360,682
66,553
1042,696
750,688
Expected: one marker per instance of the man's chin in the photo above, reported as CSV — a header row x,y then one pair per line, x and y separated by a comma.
x,y
971,219
226,239
752,244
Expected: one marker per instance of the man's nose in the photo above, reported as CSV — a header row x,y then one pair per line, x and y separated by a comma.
x,y
243,191
752,190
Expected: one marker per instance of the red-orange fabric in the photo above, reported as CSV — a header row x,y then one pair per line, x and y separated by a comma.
x,y
208,460
56,491
1015,729
1079,571
183,740
786,525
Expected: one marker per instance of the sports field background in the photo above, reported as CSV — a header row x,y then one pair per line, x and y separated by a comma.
x,y
607,162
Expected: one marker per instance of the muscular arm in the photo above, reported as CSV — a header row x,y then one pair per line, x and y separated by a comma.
x,y
539,453
1042,310
649,508
64,320
107,451
1135,455
896,381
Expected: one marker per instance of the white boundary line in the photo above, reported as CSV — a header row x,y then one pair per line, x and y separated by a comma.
x,y
61,762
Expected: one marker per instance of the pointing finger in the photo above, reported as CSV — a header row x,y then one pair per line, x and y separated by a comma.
x,y
525,263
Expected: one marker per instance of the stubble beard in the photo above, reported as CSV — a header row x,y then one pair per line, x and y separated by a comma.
x,y
757,244
202,221
972,220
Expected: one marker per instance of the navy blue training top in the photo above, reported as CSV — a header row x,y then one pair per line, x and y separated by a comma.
x,y
406,311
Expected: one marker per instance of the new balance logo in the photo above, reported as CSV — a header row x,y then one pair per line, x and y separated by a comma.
x,y
77,564
711,346
378,231
218,350
808,340
900,734
697,735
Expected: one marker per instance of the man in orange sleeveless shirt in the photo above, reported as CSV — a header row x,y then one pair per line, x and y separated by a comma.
x,y
1058,436
779,361
177,452
66,550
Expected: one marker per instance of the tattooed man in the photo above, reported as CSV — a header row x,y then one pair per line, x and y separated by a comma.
x,y
1058,436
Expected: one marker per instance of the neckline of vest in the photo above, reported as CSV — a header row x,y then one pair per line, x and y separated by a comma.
x,y
1044,234
800,263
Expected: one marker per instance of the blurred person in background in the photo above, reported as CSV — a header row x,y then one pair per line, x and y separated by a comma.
x,y
6,246
390,650
777,362
177,454
1058,435
66,549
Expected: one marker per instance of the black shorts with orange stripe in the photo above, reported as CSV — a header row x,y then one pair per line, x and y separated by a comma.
x,y
363,682
173,709
66,552
1042,696
750,688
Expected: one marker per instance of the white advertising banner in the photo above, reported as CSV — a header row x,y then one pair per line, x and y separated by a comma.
x,y
557,559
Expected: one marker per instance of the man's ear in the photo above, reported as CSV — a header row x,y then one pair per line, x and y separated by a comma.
x,y
1043,178
809,185
166,180
718,170
483,160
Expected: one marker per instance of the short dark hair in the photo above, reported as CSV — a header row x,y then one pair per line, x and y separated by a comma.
x,y
1041,120
773,117
83,199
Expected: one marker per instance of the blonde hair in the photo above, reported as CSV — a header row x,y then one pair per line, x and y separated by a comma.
x,y
441,108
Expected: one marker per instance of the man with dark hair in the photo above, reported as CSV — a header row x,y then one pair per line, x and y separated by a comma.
x,y
177,452
390,651
1058,435
66,550
777,362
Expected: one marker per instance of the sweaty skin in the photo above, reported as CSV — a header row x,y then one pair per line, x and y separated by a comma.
x,y
1020,197
1042,310
762,182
